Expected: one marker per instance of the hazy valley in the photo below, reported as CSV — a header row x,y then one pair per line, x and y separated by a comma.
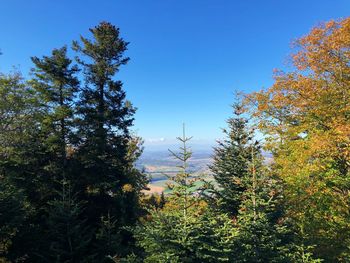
x,y
159,163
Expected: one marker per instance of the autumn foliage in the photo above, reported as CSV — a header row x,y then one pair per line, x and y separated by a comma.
x,y
305,115
71,190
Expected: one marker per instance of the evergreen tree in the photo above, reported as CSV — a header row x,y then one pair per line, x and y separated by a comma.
x,y
106,150
56,85
248,194
108,237
232,158
30,116
42,157
69,236
185,230
263,235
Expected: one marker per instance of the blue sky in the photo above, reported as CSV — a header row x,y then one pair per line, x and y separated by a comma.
x,y
187,56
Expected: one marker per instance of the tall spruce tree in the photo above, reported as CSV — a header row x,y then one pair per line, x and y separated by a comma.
x,y
56,84
53,87
232,158
106,150
247,192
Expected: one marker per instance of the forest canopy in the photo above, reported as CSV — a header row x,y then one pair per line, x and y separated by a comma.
x,y
70,190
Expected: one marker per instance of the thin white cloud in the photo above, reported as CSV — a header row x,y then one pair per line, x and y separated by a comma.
x,y
155,140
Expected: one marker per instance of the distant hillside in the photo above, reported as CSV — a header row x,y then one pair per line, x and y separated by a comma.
x,y
159,163
156,163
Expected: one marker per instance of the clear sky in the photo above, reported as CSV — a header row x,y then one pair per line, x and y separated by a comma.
x,y
187,56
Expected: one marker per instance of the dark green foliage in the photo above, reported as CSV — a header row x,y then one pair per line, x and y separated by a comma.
x,y
70,192
106,150
33,143
108,236
250,196
162,201
56,85
232,158
260,239
12,215
49,136
39,163
69,236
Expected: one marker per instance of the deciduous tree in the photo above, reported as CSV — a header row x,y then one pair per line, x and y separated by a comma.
x,y
305,115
